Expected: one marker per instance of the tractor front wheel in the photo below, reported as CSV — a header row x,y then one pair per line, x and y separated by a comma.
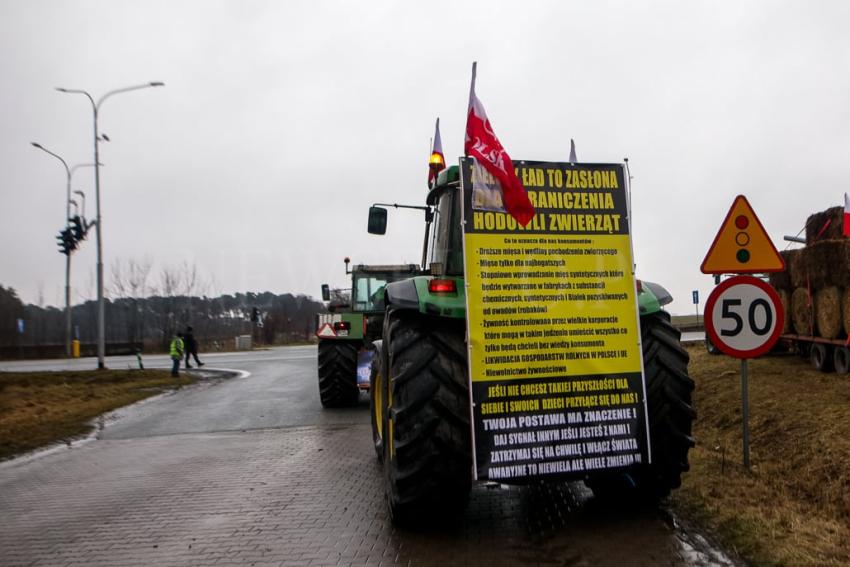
x,y
338,373
427,445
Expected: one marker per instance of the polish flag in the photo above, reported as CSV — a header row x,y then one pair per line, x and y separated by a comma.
x,y
846,230
437,162
482,144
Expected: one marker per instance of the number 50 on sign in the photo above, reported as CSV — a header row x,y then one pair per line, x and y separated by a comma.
x,y
744,317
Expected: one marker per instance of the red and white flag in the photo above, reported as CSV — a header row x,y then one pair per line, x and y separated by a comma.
x,y
437,162
846,229
482,144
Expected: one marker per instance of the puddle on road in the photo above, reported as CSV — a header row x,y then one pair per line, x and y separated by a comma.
x,y
558,524
697,551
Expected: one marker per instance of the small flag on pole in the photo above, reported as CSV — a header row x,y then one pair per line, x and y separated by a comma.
x,y
846,229
437,162
482,144
572,151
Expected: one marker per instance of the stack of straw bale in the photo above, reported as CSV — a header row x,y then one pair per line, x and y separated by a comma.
x,y
815,285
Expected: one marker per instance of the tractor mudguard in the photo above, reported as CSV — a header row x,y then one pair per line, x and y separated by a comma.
x,y
402,294
652,297
415,294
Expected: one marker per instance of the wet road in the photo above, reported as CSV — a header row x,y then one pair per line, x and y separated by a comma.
x,y
250,470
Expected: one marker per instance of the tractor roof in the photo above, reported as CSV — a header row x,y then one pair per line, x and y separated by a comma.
x,y
385,268
448,176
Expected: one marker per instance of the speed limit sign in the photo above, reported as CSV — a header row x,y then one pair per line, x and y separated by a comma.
x,y
744,317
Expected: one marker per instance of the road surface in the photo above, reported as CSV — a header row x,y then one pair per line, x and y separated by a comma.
x,y
250,470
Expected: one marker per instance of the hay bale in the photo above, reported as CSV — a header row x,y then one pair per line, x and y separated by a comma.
x,y
794,264
782,280
801,311
828,313
785,300
833,221
845,309
823,264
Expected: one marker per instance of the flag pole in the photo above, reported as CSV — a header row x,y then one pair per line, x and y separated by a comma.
x,y
469,107
472,84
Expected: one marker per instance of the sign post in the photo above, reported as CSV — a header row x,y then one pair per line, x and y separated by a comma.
x,y
743,315
744,318
696,303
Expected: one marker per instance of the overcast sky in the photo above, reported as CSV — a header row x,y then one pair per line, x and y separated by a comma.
x,y
281,122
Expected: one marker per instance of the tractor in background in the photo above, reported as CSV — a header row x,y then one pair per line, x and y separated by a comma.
x,y
355,319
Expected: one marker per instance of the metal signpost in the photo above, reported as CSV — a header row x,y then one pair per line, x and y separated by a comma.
x,y
744,318
696,303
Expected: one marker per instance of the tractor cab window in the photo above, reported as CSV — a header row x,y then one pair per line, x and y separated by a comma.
x,y
446,243
369,292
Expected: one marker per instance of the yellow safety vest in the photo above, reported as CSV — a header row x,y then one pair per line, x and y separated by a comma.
x,y
176,347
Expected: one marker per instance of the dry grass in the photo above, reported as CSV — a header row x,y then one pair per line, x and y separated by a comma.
x,y
39,408
793,507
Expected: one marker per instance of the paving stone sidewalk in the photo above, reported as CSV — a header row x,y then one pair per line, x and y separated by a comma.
x,y
295,496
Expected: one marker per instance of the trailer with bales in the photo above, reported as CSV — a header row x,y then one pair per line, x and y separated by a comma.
x,y
815,292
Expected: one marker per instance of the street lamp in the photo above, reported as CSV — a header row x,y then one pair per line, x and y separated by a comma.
x,y
101,318
69,173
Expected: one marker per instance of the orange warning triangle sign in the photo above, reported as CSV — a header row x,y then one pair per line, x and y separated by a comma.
x,y
326,331
742,246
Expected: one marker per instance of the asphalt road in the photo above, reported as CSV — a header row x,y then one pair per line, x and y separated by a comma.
x,y
250,470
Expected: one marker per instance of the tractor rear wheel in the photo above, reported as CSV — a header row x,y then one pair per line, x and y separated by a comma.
x,y
427,445
338,373
671,414
668,391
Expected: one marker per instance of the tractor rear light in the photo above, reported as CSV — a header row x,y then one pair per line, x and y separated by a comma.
x,y
342,326
442,286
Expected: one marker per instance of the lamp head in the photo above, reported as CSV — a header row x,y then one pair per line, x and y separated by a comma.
x,y
157,84
37,145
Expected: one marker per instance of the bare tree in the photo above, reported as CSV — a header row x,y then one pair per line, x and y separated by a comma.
x,y
130,278
128,286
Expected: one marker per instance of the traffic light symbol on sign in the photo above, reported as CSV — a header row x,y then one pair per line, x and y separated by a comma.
x,y
742,239
742,246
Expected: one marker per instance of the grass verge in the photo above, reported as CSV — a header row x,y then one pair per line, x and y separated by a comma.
x,y
793,506
39,408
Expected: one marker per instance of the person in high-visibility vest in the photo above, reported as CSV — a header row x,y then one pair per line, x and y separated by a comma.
x,y
176,352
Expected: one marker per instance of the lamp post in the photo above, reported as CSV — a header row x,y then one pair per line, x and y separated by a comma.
x,y
69,171
101,318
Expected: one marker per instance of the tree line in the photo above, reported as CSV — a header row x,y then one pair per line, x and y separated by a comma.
x,y
139,313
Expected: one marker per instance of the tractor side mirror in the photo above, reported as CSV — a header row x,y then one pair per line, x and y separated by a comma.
x,y
377,220
326,292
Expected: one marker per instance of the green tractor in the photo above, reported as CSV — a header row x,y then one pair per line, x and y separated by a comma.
x,y
346,333
420,387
